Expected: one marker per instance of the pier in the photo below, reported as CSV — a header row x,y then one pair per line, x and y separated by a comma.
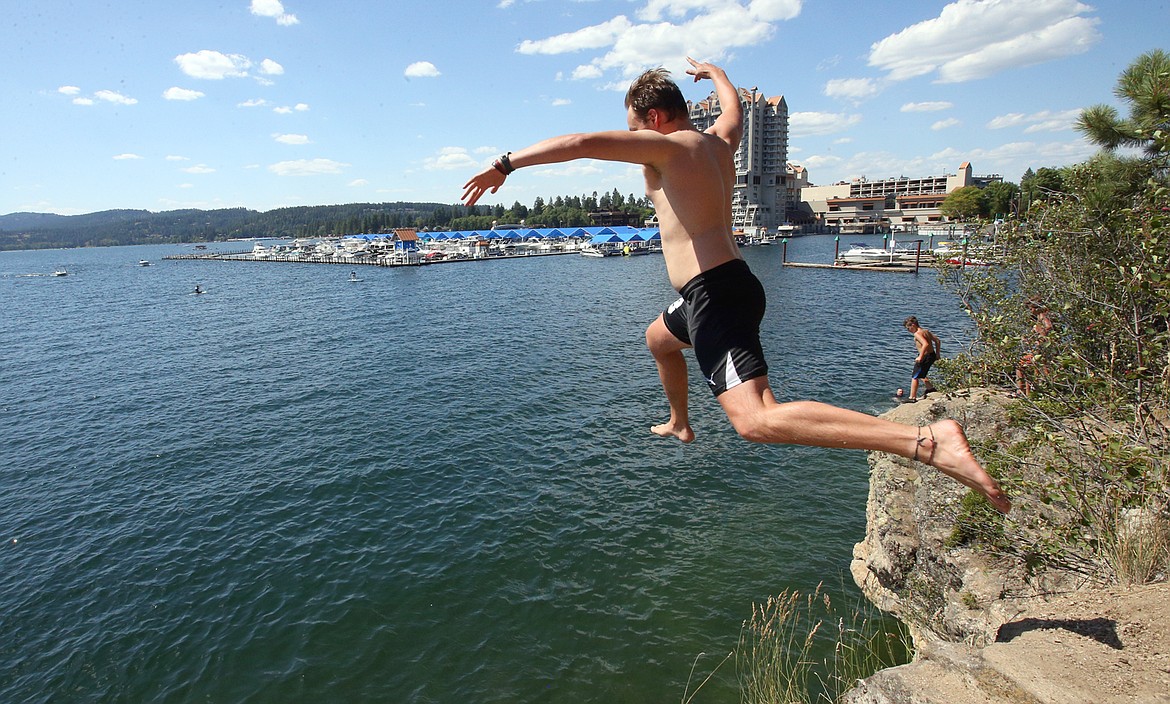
x,y
894,266
899,261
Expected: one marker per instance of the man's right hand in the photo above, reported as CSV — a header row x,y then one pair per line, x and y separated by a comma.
x,y
488,179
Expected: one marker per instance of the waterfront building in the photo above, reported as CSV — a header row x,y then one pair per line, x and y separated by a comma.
x,y
883,205
767,188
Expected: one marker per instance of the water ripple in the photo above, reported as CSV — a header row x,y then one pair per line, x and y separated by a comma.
x,y
436,486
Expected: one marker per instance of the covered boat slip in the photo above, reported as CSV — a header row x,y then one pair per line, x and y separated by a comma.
x,y
412,248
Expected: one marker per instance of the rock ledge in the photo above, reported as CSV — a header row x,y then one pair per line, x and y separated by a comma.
x,y
984,631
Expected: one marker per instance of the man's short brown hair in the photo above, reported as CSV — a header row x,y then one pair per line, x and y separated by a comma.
x,y
655,90
910,321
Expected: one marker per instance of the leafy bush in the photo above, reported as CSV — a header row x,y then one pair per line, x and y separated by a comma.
x,y
1077,320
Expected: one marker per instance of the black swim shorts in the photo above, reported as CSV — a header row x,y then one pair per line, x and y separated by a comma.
x,y
922,369
719,315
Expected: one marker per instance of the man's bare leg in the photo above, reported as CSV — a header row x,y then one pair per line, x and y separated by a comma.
x,y
672,371
757,416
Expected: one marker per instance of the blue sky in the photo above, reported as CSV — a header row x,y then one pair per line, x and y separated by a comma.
x,y
270,103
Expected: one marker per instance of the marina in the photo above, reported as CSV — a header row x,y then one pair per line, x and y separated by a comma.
x,y
408,247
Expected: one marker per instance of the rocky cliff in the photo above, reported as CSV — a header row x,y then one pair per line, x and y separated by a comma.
x,y
990,629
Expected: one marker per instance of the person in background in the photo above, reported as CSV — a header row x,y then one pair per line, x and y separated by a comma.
x,y
929,350
1032,344
690,177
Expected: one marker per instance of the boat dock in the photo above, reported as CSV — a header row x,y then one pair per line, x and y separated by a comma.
x,y
891,267
894,266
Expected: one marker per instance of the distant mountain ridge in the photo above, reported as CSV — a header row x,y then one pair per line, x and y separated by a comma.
x,y
122,227
14,222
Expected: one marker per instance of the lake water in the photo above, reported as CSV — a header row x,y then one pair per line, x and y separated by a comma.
x,y
435,485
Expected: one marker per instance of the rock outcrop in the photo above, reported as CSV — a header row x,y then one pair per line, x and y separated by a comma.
x,y
986,629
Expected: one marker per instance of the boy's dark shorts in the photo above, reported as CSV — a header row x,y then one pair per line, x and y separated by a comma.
x,y
922,369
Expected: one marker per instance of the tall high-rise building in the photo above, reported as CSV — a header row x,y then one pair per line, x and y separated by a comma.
x,y
767,189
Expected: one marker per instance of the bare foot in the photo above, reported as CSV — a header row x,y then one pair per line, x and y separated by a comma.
x,y
945,447
668,430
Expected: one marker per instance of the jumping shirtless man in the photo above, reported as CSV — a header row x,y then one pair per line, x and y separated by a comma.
x,y
689,178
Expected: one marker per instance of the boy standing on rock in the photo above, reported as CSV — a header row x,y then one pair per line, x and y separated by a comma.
x,y
690,177
929,350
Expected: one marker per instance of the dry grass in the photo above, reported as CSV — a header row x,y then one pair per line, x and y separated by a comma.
x,y
798,649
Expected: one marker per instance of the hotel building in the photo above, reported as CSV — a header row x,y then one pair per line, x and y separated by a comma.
x,y
894,203
767,188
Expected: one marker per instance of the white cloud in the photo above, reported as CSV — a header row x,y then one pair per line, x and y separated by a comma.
x,y
421,69
307,167
199,169
1044,121
271,68
664,31
450,158
114,97
359,182
944,124
595,37
928,106
808,124
83,101
852,89
176,93
126,157
175,157
287,110
973,39
213,65
69,90
275,10
253,103
561,102
291,138
586,72
820,161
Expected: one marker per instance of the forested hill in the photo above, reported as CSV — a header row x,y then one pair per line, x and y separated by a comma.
x,y
120,227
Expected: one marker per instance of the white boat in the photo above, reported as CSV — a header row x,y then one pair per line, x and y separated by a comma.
x,y
862,253
143,262
588,251
60,272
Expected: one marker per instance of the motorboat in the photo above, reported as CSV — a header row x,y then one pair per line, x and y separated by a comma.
x,y
60,272
143,262
862,253
591,251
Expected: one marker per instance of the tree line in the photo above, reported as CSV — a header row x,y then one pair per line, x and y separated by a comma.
x,y
1003,199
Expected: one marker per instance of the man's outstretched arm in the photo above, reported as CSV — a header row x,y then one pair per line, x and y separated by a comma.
x,y
729,125
642,147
